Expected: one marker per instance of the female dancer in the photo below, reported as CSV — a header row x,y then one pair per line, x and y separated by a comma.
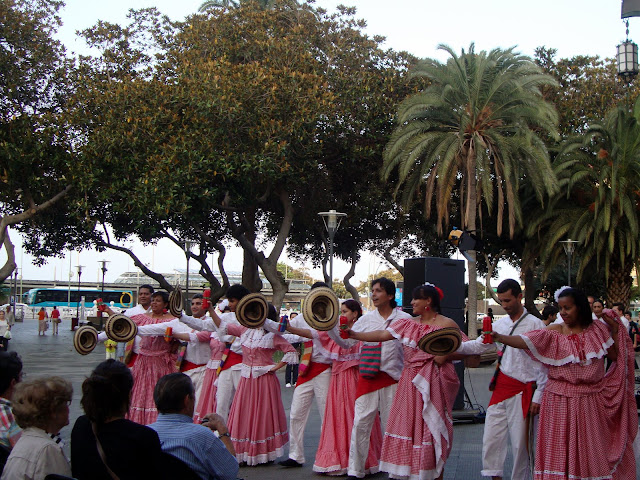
x,y
588,419
155,360
332,456
419,433
257,421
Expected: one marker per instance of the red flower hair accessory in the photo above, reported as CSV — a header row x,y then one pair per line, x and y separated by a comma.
x,y
437,289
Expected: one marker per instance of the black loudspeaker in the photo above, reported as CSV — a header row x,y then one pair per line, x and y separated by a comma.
x,y
444,273
448,275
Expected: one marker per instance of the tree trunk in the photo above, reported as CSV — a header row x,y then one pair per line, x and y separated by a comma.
x,y
250,275
620,282
528,278
491,267
472,300
10,265
268,265
352,271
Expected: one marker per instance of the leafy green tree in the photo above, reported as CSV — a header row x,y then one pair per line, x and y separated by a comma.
x,y
35,145
474,129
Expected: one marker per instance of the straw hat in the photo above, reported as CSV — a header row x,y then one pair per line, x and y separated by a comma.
x,y
252,310
120,328
321,308
441,342
85,339
175,302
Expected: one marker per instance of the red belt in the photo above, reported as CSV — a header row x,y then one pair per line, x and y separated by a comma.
x,y
368,385
313,370
233,359
507,387
187,365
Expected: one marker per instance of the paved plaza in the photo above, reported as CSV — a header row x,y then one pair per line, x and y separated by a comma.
x,y
56,356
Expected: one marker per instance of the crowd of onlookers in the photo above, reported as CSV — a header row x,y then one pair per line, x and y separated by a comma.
x,y
104,444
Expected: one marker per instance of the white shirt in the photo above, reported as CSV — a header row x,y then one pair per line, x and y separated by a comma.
x,y
392,358
207,323
137,310
516,363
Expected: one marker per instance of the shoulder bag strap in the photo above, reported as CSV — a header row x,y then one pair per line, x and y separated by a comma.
x,y
103,457
492,384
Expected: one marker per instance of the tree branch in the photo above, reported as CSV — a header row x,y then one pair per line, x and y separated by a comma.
x,y
158,277
390,258
10,265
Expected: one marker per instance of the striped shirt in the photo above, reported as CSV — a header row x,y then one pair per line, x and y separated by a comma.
x,y
9,429
195,445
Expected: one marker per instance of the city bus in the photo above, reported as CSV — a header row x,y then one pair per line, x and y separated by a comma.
x,y
59,297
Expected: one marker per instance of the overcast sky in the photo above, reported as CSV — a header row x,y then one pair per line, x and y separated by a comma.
x,y
588,27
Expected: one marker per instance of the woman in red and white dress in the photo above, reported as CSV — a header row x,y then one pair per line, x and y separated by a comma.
x,y
155,360
332,456
419,432
588,417
207,400
257,421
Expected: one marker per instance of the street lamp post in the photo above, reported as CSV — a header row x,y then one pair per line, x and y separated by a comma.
x,y
187,251
104,270
569,247
79,267
331,221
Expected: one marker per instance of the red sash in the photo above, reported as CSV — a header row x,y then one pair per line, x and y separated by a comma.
x,y
132,360
187,365
507,387
233,359
368,385
313,370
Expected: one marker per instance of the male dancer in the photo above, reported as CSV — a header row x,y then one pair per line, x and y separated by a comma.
x,y
230,373
513,396
376,394
313,382
198,350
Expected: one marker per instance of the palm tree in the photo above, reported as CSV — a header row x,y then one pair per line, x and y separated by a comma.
x,y
474,129
600,178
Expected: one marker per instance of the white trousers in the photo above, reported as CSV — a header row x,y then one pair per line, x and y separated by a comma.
x,y
505,418
197,377
301,407
367,406
227,385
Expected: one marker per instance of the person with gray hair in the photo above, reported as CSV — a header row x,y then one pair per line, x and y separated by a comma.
x,y
208,455
41,408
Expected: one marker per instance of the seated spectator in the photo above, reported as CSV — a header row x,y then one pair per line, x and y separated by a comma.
x,y
196,445
41,408
129,450
10,376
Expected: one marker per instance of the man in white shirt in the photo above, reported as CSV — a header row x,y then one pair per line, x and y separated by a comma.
x,y
313,383
198,352
505,416
376,395
618,307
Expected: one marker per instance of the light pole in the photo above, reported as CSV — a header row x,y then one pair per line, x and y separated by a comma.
x,y
331,221
569,247
104,271
79,267
187,251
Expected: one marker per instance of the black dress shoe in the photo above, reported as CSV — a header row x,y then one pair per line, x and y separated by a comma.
x,y
289,462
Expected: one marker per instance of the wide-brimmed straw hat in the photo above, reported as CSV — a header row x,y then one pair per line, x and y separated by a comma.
x,y
85,339
120,328
252,310
175,302
441,342
321,308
